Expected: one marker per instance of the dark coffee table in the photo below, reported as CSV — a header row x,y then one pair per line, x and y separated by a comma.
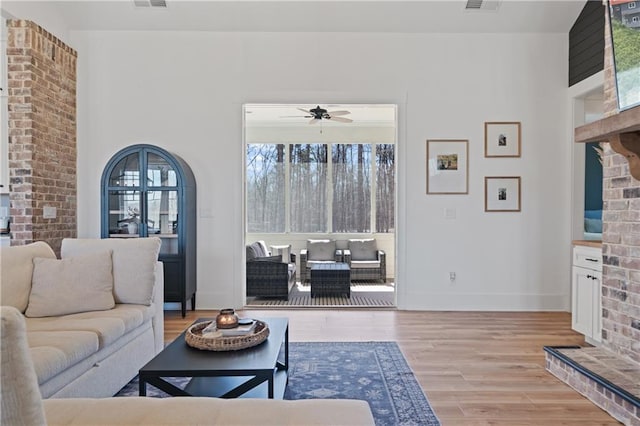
x,y
256,372
330,279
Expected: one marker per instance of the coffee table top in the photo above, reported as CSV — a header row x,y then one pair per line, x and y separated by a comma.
x,y
335,266
182,360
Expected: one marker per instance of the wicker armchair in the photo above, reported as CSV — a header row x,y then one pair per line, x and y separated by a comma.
x,y
317,251
269,276
366,261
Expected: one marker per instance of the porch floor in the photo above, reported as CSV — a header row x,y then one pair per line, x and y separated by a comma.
x,y
363,294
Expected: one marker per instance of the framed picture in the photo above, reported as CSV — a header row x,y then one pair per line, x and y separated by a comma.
x,y
502,193
447,166
502,139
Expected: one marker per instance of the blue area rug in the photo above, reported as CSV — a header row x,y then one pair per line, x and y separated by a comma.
x,y
376,372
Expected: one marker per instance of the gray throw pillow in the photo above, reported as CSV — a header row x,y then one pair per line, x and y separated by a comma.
x,y
321,249
365,249
251,253
257,249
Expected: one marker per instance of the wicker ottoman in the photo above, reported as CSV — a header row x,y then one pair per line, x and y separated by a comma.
x,y
330,279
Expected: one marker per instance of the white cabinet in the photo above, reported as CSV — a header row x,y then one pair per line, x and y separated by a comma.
x,y
586,293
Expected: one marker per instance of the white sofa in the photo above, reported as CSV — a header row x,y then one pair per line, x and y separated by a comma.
x,y
22,404
93,317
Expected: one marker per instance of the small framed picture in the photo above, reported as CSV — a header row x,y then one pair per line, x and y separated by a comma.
x,y
502,193
447,166
502,139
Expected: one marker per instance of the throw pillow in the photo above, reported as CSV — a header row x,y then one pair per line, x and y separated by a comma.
x,y
16,272
324,250
283,252
69,286
251,253
593,225
134,264
363,249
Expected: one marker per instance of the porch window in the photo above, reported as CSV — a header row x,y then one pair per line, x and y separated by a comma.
x,y
295,188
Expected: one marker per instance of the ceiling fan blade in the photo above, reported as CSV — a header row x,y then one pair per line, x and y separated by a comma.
x,y
334,113
313,121
341,119
306,111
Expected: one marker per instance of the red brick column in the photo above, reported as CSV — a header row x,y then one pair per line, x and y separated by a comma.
x,y
42,134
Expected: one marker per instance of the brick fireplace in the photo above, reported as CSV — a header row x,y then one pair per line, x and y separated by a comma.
x,y
42,135
610,375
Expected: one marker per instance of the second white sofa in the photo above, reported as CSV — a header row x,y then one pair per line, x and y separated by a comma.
x,y
93,317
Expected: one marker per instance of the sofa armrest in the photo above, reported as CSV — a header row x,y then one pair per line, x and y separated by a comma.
x,y
304,256
260,268
346,254
382,257
158,303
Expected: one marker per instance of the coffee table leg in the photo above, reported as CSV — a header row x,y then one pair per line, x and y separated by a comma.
x,y
270,384
142,387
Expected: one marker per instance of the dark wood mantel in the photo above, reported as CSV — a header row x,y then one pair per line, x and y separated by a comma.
x,y
622,131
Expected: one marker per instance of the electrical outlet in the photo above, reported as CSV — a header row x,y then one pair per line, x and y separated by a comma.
x,y
49,212
452,276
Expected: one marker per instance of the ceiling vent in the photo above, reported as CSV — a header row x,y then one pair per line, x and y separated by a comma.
x,y
150,3
486,5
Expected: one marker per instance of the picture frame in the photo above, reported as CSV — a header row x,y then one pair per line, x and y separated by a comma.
x,y
502,139
447,166
502,193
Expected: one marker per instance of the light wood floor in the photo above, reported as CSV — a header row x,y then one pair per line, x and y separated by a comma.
x,y
476,368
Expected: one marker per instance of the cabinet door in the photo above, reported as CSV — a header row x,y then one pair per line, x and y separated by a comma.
x,y
124,213
162,219
582,300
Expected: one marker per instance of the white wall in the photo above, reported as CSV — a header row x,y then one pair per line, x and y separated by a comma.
x,y
183,91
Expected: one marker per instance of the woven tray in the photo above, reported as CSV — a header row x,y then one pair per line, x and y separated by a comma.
x,y
194,338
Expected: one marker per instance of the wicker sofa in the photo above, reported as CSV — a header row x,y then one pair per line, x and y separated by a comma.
x,y
267,275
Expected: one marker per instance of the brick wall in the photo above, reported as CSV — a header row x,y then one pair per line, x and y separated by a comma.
x,y
620,409
621,239
42,134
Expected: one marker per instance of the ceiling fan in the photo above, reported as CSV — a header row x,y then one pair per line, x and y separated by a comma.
x,y
317,114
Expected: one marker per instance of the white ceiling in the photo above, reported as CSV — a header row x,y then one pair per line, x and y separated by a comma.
x,y
414,16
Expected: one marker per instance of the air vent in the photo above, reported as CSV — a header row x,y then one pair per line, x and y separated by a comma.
x,y
150,3
486,5
474,4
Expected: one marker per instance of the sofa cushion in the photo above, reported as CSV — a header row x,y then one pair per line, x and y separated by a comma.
x,y
107,326
324,250
21,401
68,286
55,351
16,272
134,262
364,249
206,411
363,264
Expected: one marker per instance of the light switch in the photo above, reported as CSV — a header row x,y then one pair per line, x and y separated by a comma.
x,y
449,213
49,212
